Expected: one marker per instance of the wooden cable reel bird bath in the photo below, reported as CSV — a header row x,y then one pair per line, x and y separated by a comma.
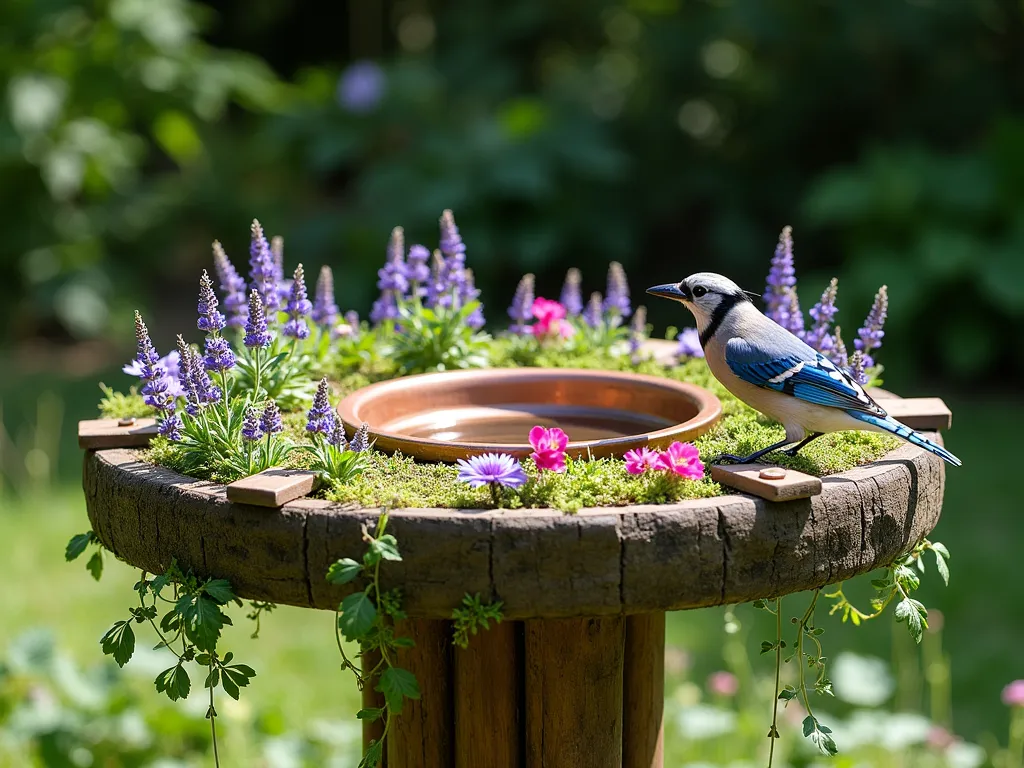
x,y
574,675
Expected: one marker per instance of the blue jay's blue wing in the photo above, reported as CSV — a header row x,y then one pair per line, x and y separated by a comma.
x,y
796,369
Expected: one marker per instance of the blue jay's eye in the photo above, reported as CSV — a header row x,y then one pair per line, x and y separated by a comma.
x,y
699,290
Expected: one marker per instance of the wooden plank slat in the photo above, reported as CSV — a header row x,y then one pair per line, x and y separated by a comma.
x,y
748,478
929,414
574,692
100,434
272,487
421,736
643,703
372,699
487,689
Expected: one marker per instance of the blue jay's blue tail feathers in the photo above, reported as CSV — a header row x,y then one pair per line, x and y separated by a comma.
x,y
889,424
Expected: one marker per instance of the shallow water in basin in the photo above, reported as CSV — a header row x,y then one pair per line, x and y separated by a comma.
x,y
511,423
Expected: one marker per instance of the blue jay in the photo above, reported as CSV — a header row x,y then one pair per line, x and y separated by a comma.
x,y
772,370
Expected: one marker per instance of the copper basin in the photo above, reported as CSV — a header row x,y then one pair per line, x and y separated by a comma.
x,y
456,414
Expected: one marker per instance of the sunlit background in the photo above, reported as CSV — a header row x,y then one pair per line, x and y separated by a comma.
x,y
671,135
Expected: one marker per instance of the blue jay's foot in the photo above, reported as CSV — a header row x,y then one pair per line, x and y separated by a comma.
x,y
796,448
754,456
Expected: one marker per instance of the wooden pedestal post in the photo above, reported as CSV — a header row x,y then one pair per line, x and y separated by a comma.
x,y
643,701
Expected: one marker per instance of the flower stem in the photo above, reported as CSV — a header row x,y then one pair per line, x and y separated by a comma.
x,y
213,730
773,735
256,371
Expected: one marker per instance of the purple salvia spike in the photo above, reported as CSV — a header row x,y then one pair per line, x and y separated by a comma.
x,y
572,297
321,416
616,301
638,333
435,286
232,286
361,439
593,315
298,307
256,333
210,319
469,293
689,343
820,336
839,355
251,424
219,356
857,366
521,310
270,419
147,356
262,270
170,427
451,241
337,436
325,311
417,269
384,308
391,277
781,278
869,337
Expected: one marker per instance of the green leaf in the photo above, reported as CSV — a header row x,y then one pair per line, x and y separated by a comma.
x,y
343,571
373,756
787,694
203,620
941,549
371,714
77,545
767,646
403,642
220,590
942,567
174,682
119,642
387,547
914,614
357,616
95,564
398,684
819,736
236,677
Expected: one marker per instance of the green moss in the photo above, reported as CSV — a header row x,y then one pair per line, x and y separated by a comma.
x,y
399,481
118,405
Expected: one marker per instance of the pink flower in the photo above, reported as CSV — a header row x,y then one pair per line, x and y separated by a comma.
x,y
723,684
549,446
550,316
683,459
639,460
1013,694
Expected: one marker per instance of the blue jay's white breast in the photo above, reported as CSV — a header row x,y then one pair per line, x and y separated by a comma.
x,y
797,416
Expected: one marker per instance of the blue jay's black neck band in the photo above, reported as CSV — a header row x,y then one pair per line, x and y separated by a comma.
x,y
718,316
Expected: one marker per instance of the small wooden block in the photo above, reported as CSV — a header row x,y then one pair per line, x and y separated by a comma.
x,y
925,413
746,478
272,487
97,434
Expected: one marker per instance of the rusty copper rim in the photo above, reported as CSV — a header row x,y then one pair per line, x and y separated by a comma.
x,y
688,409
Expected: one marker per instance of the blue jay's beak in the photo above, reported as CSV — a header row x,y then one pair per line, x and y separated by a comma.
x,y
668,291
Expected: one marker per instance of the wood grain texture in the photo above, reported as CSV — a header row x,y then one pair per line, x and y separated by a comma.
x,y
643,701
573,691
272,487
487,692
372,699
421,737
540,563
747,478
96,434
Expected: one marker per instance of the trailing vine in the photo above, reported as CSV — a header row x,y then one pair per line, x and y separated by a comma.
x,y
471,617
901,578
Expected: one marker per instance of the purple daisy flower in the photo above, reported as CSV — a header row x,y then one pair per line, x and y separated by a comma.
x,y
689,344
325,310
521,310
492,469
870,336
321,416
256,333
572,297
236,302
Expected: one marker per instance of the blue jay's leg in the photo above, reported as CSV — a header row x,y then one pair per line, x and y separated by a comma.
x,y
813,436
752,457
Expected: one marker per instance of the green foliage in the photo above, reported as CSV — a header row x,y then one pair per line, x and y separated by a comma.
x,y
118,405
436,339
366,617
286,371
473,616
77,546
336,464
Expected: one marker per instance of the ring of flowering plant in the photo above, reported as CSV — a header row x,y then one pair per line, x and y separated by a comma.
x,y
639,460
682,459
548,448
498,470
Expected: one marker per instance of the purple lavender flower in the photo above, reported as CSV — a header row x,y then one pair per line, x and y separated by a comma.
x,y
392,276
839,355
593,315
361,87
436,284
262,270
819,336
689,344
298,307
251,430
270,419
206,391
416,268
521,310
321,416
352,320
616,300
469,292
572,298
451,241
170,427
781,278
219,356
256,333
384,308
185,377
236,303
870,336
638,333
789,315
857,366
361,439
156,387
169,363
337,436
284,287
492,469
210,320
325,311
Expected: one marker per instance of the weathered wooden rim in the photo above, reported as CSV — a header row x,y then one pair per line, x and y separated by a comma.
x,y
540,563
